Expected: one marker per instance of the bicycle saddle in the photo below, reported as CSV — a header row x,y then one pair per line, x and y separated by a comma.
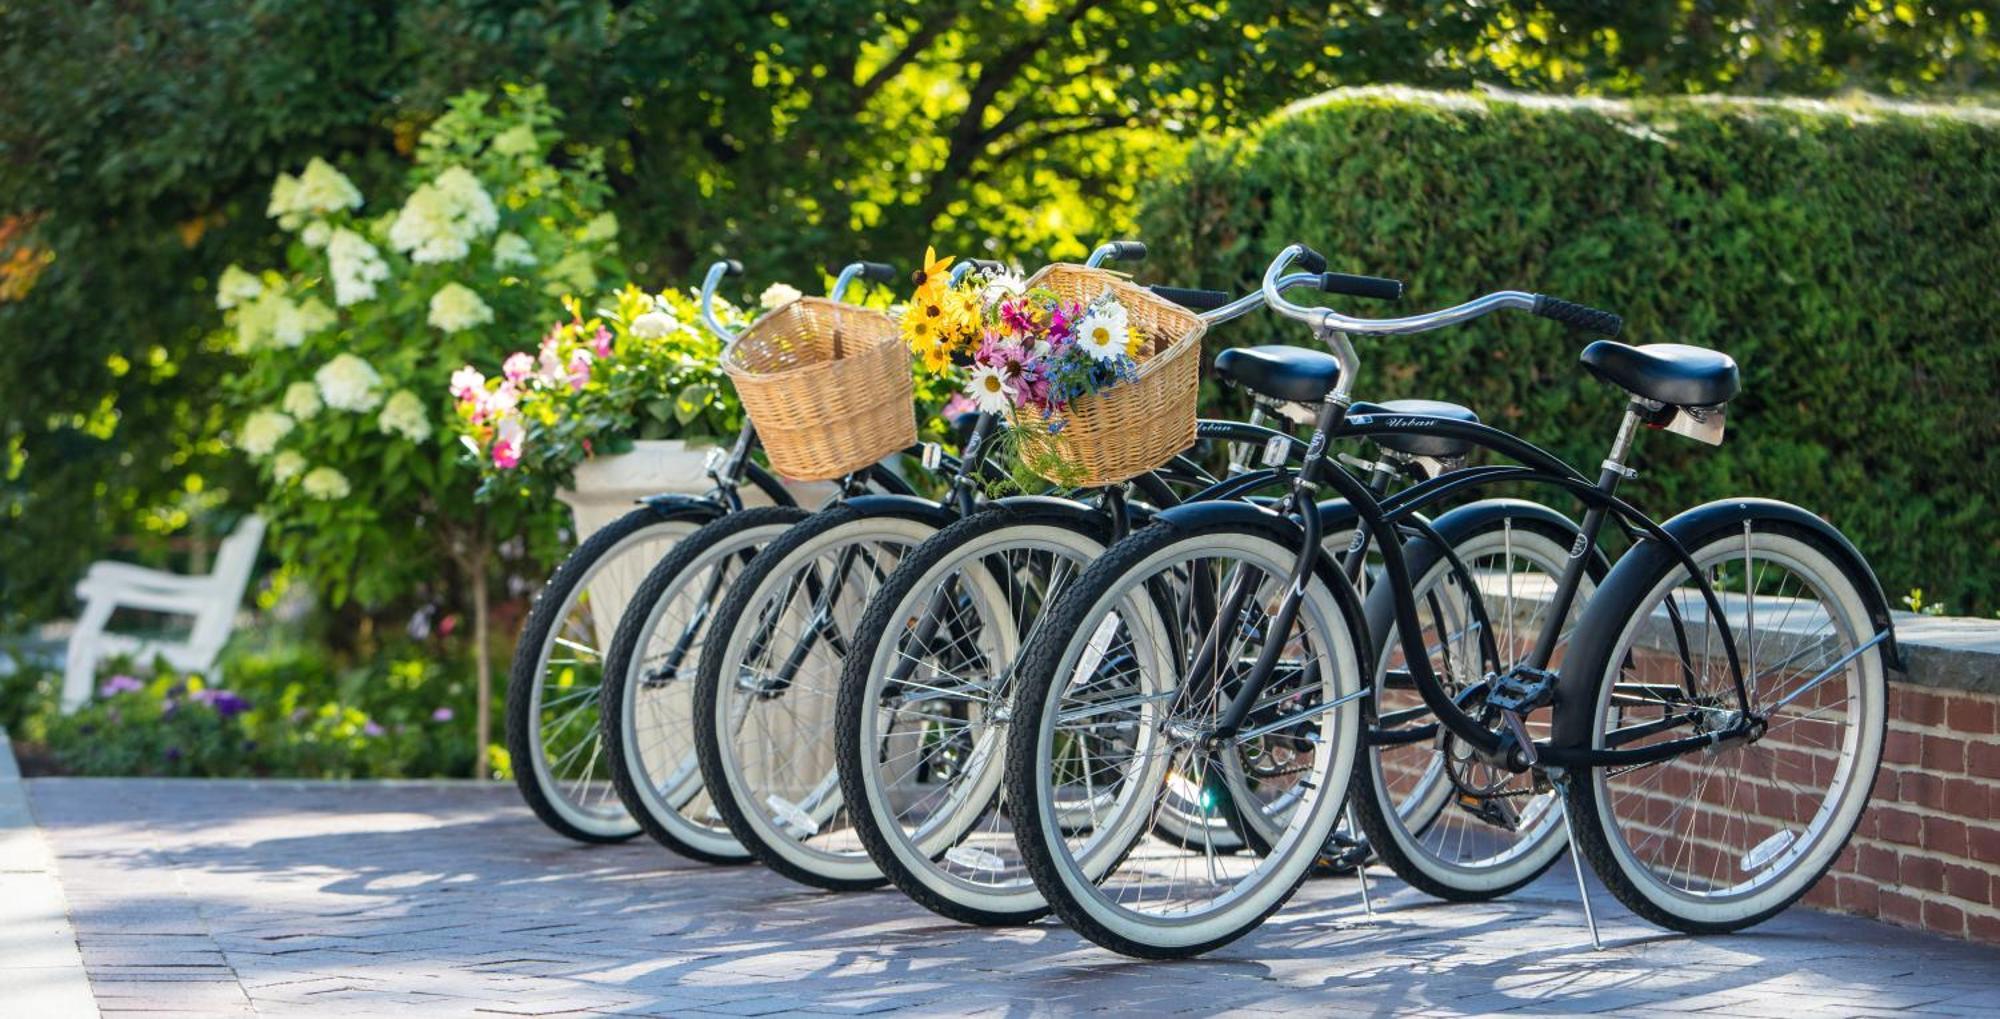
x,y
1437,446
1280,372
1671,373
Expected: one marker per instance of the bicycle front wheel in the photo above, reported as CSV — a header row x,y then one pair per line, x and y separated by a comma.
x,y
1126,739
552,686
1724,836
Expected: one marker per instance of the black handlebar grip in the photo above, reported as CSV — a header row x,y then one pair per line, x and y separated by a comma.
x,y
1193,300
1380,288
878,272
1310,260
1578,316
732,267
1128,251
986,265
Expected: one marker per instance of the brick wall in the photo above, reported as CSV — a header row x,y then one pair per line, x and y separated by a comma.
x,y
1927,853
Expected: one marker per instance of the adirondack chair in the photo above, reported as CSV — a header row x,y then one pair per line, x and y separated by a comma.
x,y
210,600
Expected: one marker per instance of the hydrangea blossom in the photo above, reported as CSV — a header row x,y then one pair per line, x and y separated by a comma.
x,y
455,308
442,218
349,383
235,287
356,267
325,483
301,400
654,324
292,323
403,413
518,140
320,189
778,294
511,250
316,233
288,464
262,431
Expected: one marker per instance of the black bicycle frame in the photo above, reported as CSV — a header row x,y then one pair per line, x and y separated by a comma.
x,y
1535,465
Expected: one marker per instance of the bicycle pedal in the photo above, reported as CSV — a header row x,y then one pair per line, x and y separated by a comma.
x,y
1522,690
1490,810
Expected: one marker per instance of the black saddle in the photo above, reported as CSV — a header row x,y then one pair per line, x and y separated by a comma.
x,y
1294,374
1671,373
1437,446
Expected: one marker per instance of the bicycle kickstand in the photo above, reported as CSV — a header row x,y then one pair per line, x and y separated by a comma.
x,y
1361,870
1576,863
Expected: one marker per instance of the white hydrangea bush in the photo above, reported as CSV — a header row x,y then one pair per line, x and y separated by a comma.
x,y
385,287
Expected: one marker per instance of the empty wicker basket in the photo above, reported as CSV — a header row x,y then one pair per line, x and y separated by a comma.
x,y
1133,427
826,384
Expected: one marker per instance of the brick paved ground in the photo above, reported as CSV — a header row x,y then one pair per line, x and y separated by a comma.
x,y
220,898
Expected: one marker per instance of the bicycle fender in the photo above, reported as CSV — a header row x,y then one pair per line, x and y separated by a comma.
x,y
1647,558
683,507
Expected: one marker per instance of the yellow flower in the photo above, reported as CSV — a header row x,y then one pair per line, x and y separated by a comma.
x,y
932,276
936,358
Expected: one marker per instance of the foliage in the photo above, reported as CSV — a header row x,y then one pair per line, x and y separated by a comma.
x,y
137,142
643,367
1840,252
287,709
341,352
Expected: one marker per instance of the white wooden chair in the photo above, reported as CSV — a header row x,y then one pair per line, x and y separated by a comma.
x,y
210,600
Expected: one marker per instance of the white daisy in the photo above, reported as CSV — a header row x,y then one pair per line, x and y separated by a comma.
x,y
1103,333
989,390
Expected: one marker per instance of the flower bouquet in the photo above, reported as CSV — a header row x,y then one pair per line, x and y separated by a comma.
x,y
1096,375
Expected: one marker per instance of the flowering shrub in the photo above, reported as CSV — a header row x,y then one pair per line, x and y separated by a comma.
x,y
376,299
643,367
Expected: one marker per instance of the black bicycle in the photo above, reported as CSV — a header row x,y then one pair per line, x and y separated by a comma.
x,y
1710,737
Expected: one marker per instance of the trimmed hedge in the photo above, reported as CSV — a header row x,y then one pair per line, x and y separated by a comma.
x,y
1847,255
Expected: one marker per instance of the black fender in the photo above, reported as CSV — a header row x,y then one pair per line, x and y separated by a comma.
x,y
1649,557
1196,515
907,506
685,507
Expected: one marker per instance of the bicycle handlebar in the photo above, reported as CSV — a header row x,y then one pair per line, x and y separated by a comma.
x,y
1193,300
716,271
1116,251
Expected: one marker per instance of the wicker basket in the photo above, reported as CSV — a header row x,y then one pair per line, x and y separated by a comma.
x,y
827,385
1132,427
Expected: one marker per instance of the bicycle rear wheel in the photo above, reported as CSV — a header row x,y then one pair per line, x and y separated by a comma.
x,y
1723,837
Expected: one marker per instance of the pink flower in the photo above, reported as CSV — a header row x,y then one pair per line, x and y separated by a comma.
x,y
601,342
1017,316
959,404
371,729
467,383
507,441
579,369
441,715
518,366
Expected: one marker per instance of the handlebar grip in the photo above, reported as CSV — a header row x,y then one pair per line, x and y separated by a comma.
x,y
878,272
1310,260
1578,316
1193,300
987,265
1380,288
1128,251
732,267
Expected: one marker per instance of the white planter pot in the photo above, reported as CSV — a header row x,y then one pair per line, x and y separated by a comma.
x,y
608,487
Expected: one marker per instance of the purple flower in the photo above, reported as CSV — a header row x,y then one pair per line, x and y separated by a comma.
x,y
118,684
441,715
371,729
226,703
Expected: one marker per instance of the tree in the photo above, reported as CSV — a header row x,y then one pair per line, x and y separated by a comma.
x,y
138,140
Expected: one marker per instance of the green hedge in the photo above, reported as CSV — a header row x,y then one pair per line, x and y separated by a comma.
x,y
1847,255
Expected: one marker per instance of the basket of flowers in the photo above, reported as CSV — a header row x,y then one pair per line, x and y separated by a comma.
x,y
1097,376
827,385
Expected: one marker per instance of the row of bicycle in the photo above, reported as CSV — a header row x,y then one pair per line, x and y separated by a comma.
x,y
1331,632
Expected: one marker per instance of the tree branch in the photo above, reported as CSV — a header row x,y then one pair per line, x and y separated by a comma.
x,y
919,40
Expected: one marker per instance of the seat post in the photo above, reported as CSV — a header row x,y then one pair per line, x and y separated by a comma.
x,y
1613,470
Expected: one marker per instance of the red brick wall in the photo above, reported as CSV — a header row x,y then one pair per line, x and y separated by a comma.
x,y
1928,851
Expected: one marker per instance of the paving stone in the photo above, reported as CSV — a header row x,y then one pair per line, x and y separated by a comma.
x,y
328,899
